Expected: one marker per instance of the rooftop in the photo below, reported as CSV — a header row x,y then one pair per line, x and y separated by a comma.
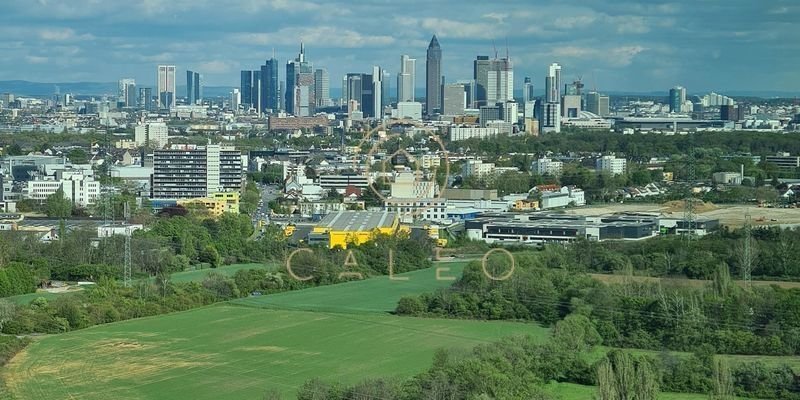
x,y
358,221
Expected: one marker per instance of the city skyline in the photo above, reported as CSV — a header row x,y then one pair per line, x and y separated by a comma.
x,y
615,46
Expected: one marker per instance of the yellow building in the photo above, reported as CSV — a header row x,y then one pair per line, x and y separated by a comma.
x,y
526,205
342,228
216,204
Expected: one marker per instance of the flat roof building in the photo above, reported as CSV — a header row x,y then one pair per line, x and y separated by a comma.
x,y
342,228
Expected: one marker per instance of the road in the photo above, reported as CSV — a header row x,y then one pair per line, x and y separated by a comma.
x,y
268,193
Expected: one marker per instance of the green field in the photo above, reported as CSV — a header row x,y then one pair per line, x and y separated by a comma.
x,y
375,295
236,352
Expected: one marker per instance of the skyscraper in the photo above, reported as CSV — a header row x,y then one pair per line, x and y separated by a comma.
x,y
322,87
406,79
552,84
480,74
377,91
127,92
494,80
300,99
677,96
527,91
454,99
433,78
145,100
385,88
166,86
269,86
597,104
250,89
193,87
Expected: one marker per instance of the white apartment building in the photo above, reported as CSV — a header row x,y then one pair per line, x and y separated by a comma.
x,y
477,168
546,166
469,132
414,209
410,185
151,134
611,164
428,161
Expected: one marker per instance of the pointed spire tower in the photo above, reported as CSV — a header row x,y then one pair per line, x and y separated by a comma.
x,y
433,78
302,56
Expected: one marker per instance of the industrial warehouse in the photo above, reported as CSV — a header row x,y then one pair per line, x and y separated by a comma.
x,y
562,228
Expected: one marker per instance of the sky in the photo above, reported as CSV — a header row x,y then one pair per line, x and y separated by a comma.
x,y
614,45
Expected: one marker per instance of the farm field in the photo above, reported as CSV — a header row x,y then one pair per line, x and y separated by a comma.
x,y
376,295
236,352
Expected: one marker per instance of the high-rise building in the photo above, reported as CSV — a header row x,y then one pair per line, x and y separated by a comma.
x,y
194,90
127,92
250,89
552,84
550,120
235,100
386,82
361,88
322,87
377,92
282,95
195,171
597,103
494,80
454,99
677,96
480,74
570,106
166,86
145,99
268,101
527,91
433,77
300,98
406,79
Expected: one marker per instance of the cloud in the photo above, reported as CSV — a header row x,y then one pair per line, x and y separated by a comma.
x,y
216,67
36,59
616,56
60,35
497,17
319,36
575,21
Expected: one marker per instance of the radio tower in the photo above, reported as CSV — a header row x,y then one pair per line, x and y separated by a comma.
x,y
126,273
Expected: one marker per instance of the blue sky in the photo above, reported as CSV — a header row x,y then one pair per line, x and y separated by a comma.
x,y
614,45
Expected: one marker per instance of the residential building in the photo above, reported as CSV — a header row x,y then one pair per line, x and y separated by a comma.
x,y
151,134
551,118
166,86
468,132
547,166
477,168
433,78
187,171
406,79
216,204
552,84
611,164
412,185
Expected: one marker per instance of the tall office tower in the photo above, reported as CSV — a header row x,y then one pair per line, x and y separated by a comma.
x,y
406,79
166,86
352,89
500,81
469,92
198,171
145,100
300,99
386,83
127,92
570,106
597,103
550,119
245,89
677,96
322,87
454,99
282,95
377,91
480,74
433,78
193,87
573,89
552,84
268,101
235,99
527,91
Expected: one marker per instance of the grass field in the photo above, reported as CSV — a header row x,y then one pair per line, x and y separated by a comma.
x,y
571,391
609,278
236,352
378,294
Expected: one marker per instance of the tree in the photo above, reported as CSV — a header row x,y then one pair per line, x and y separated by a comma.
x,y
210,255
723,381
78,156
622,376
8,311
58,206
